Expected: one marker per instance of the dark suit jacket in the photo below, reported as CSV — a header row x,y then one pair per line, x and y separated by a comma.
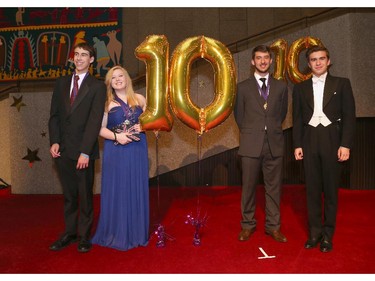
x,y
338,105
252,118
76,128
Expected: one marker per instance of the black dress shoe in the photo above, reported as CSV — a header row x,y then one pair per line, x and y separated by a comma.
x,y
84,246
63,242
312,242
326,246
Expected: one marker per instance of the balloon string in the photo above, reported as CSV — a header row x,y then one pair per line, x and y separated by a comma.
x,y
157,171
199,138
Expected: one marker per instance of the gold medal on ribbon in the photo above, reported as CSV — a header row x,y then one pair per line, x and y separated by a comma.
x,y
265,105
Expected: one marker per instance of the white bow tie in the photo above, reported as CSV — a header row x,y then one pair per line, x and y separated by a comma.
x,y
317,79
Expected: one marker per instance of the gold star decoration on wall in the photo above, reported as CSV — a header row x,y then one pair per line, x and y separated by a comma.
x,y
32,156
18,103
4,185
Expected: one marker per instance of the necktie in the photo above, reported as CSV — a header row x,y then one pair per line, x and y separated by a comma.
x,y
74,90
264,88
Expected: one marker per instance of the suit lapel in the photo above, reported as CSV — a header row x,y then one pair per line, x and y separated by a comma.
x,y
309,93
329,90
271,96
82,92
255,91
66,93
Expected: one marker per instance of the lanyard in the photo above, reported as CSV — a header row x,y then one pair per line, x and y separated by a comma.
x,y
267,88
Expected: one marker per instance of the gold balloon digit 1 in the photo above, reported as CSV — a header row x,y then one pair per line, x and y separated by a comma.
x,y
220,58
154,51
279,47
293,58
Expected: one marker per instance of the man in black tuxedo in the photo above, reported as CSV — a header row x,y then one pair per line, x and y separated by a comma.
x,y
75,120
261,106
323,131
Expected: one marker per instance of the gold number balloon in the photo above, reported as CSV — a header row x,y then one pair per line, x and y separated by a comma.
x,y
293,57
154,51
172,84
279,47
220,58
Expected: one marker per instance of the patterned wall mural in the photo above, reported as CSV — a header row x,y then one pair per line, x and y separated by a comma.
x,y
38,42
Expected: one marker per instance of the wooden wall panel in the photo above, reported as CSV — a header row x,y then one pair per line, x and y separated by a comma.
x,y
225,168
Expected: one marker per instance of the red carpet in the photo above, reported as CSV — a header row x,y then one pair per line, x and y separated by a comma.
x,y
30,223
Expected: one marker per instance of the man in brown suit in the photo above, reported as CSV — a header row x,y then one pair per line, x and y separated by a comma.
x,y
261,106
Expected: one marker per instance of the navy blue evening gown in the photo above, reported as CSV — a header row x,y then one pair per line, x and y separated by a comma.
x,y
124,205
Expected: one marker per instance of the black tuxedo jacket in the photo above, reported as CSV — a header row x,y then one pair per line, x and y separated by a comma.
x,y
338,106
252,118
76,128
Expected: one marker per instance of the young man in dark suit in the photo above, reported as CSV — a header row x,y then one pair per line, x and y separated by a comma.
x,y
261,106
75,120
323,132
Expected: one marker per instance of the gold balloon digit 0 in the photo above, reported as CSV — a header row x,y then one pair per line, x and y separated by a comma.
x,y
279,48
220,58
172,84
154,51
293,58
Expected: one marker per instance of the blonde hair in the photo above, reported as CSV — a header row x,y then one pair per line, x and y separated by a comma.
x,y
132,100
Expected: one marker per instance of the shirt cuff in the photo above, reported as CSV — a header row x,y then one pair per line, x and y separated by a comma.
x,y
85,155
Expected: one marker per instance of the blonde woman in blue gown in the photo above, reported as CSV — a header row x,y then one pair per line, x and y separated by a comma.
x,y
124,209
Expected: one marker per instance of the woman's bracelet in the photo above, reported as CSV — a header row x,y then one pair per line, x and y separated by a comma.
x,y
116,142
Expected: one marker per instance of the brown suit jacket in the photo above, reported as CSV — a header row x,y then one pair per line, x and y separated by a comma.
x,y
252,118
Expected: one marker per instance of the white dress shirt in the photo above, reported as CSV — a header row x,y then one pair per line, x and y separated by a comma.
x,y
260,83
318,88
81,78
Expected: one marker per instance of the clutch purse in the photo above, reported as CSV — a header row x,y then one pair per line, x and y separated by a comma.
x,y
126,126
